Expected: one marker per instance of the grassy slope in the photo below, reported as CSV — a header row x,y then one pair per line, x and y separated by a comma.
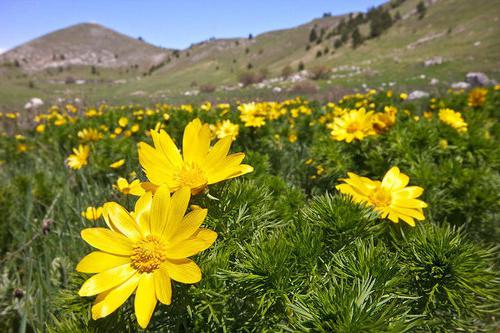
x,y
459,23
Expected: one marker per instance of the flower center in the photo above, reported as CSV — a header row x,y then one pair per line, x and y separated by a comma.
x,y
148,254
353,127
192,175
381,197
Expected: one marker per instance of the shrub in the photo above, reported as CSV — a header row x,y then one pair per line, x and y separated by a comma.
x,y
207,88
319,72
305,87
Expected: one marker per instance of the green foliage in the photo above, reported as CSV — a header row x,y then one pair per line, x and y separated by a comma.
x,y
292,254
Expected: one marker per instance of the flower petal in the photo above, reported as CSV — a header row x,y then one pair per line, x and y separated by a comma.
x,y
107,240
160,207
106,280
200,241
182,270
107,302
176,211
163,286
188,226
98,261
145,300
166,145
121,220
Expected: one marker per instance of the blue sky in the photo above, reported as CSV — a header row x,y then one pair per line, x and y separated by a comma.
x,y
167,23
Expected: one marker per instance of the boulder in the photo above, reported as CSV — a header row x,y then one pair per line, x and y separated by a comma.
x,y
433,61
477,79
33,103
460,85
417,94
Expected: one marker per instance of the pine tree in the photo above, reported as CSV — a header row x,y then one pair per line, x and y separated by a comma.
x,y
356,37
313,35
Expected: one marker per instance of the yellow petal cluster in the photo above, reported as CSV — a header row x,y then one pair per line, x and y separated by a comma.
x,y
199,165
392,198
142,252
453,119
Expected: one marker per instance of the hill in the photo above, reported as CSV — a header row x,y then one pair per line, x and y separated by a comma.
x,y
86,44
435,45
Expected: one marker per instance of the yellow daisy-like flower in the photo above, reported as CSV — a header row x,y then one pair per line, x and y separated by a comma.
x,y
197,167
477,97
123,122
78,159
391,198
354,125
117,164
383,120
453,119
40,128
226,128
143,251
89,134
92,213
134,188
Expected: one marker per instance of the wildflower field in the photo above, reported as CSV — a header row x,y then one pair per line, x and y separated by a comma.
x,y
371,213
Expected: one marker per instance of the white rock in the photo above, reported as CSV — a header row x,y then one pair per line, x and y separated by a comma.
x,y
460,85
277,90
417,94
477,79
33,103
433,61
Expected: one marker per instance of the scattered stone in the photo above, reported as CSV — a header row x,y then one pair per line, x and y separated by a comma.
x,y
191,93
477,79
422,76
477,43
33,103
433,61
121,81
277,90
434,81
138,93
417,94
460,85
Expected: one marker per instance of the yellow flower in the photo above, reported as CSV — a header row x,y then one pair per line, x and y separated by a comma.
x,y
89,134
292,137
79,157
40,128
226,128
92,213
453,119
383,120
22,147
477,97
135,128
356,124
143,251
123,122
403,96
134,188
427,115
117,164
199,165
254,122
391,198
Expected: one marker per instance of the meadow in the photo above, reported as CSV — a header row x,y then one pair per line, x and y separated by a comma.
x,y
371,213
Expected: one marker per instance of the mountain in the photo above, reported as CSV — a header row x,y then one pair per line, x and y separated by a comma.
x,y
85,44
409,44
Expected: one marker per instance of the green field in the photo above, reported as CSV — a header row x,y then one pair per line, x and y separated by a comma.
x,y
293,253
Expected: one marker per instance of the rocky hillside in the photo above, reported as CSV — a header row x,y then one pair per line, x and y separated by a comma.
x,y
85,44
